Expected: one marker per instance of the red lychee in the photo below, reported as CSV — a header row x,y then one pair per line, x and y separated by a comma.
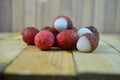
x,y
28,35
62,23
67,39
44,39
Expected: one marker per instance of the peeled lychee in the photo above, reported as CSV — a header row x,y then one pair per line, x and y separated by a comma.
x,y
87,42
28,35
67,39
84,30
89,29
44,39
62,23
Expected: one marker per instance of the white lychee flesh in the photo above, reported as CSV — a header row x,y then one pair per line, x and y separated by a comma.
x,y
60,24
84,31
83,44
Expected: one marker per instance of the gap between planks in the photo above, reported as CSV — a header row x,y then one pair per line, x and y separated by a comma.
x,y
33,61
104,60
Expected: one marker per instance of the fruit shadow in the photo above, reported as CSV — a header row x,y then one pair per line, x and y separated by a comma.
x,y
54,49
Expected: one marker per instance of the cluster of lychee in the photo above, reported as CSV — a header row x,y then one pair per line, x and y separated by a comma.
x,y
62,34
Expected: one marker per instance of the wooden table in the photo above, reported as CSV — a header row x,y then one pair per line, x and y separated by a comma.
x,y
19,61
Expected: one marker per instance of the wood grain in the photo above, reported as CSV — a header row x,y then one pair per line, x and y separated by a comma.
x,y
2,35
118,18
33,61
88,10
112,40
110,16
19,61
5,15
99,15
30,9
103,14
10,47
77,13
18,15
104,60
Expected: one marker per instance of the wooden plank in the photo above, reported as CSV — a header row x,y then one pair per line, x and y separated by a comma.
x,y
18,15
99,15
2,35
118,18
33,61
53,11
101,64
5,15
65,7
112,40
88,12
77,13
30,9
10,47
44,15
39,20
110,16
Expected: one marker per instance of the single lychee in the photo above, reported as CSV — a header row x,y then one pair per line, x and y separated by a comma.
x,y
67,39
62,23
87,42
28,35
44,39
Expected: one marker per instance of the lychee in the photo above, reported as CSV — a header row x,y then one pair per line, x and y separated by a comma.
x,y
28,35
44,39
62,23
87,42
67,39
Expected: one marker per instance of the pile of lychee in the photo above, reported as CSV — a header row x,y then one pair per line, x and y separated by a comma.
x,y
64,35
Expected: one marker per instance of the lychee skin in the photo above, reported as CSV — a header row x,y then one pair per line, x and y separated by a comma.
x,y
47,28
63,24
94,30
67,39
75,29
28,35
44,39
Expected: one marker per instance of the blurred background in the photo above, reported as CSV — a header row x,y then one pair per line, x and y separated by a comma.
x,y
18,14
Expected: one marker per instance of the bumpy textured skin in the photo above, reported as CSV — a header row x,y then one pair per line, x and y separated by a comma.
x,y
44,39
28,35
69,21
47,28
94,30
67,39
75,29
93,40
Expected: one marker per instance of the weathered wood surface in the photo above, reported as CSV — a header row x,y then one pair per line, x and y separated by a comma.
x,y
10,47
16,15
32,63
